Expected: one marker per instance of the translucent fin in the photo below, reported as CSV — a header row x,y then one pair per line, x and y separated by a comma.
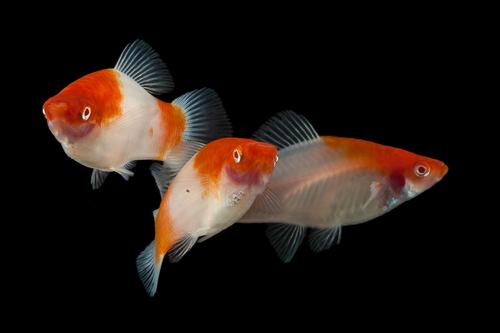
x,y
181,154
162,176
98,177
267,202
375,190
323,239
286,129
141,63
124,171
206,119
286,239
205,237
164,173
181,248
148,269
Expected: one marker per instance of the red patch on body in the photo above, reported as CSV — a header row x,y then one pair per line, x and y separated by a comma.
x,y
173,124
397,181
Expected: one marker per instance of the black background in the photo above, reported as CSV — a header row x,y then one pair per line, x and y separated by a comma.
x,y
395,80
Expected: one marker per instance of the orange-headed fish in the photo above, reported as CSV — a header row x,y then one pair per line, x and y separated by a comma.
x,y
211,192
108,119
327,182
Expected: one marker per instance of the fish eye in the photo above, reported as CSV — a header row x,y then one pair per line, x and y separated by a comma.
x,y
237,155
86,113
422,170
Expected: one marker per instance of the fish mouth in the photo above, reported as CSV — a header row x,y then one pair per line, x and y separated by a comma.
x,y
66,133
444,171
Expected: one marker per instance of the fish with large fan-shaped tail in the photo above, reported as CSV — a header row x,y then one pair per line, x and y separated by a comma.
x,y
323,183
108,119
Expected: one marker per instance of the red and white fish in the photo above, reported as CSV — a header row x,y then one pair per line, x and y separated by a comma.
x,y
328,182
211,192
108,119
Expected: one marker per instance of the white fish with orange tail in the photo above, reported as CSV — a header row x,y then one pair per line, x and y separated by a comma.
x,y
108,119
327,182
211,192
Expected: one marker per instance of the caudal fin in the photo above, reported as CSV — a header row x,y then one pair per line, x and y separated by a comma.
x,y
206,119
149,269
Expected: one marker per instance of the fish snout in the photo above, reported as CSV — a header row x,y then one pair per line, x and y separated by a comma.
x,y
443,170
267,156
52,110
267,150
68,133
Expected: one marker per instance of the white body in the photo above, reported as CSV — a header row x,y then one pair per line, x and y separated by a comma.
x,y
204,213
317,187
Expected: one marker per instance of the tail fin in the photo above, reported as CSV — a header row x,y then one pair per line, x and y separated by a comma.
x,y
206,119
149,269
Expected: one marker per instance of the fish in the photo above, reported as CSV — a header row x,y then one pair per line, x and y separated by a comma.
x,y
212,191
323,183
109,119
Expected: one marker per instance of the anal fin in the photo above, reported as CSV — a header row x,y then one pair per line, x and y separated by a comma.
x,y
286,239
98,177
125,171
323,239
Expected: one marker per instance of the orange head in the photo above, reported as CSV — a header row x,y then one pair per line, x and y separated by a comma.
x,y
91,101
420,172
244,161
409,174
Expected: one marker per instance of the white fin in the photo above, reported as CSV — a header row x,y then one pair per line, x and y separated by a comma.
x,y
206,119
162,176
142,64
155,213
124,171
375,188
286,129
148,269
267,202
286,239
180,155
205,237
98,177
323,239
181,248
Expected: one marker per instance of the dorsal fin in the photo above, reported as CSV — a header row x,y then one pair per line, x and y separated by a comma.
x,y
143,64
286,129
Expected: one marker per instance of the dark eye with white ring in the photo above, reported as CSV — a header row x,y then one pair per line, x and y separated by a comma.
x,y
422,170
237,155
86,113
